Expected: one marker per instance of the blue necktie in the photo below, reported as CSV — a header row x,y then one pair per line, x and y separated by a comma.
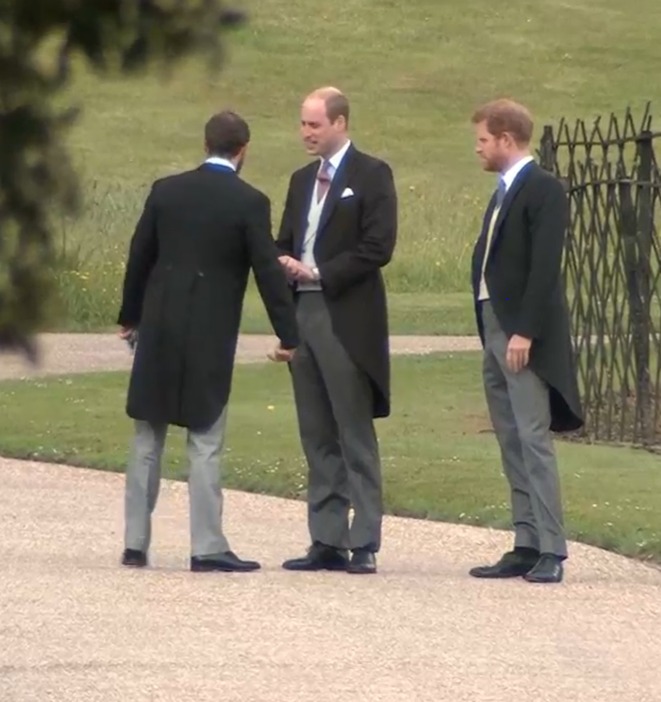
x,y
501,192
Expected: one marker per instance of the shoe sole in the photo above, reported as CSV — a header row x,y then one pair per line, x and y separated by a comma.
x,y
497,577
334,569
361,571
217,569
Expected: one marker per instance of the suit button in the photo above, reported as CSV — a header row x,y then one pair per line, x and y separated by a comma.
x,y
200,274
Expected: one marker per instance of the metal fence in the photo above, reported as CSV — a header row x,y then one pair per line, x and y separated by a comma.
x,y
612,266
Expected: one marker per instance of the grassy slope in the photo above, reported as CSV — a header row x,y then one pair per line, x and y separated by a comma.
x,y
414,72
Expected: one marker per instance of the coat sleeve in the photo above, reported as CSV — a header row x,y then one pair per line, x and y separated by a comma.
x,y
378,235
269,275
143,252
285,240
549,215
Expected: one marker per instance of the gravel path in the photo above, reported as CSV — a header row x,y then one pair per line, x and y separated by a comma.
x,y
74,625
71,353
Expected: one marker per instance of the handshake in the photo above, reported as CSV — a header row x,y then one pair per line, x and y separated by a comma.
x,y
300,273
297,271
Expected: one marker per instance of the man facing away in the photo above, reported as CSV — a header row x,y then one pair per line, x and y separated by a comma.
x,y
338,230
523,321
200,234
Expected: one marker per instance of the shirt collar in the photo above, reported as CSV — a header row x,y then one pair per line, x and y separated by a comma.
x,y
336,159
513,171
219,161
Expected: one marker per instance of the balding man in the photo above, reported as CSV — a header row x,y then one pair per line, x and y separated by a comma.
x,y
338,231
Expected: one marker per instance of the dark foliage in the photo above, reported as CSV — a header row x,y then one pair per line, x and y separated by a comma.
x,y
36,177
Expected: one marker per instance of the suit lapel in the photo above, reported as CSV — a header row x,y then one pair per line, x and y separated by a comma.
x,y
486,221
481,243
334,195
306,195
336,189
512,192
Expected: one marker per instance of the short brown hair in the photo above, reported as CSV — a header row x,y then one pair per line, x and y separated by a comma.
x,y
226,133
506,116
337,104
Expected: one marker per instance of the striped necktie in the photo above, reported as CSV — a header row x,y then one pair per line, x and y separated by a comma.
x,y
323,181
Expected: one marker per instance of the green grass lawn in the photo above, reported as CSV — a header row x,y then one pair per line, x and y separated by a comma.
x,y
409,313
440,460
414,73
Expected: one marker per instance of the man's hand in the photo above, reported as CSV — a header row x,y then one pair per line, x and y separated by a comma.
x,y
290,266
518,353
297,271
129,335
280,355
305,274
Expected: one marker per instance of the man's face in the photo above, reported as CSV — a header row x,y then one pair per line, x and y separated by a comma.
x,y
320,136
492,150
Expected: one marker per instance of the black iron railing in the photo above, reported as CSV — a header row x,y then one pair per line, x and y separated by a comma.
x,y
612,266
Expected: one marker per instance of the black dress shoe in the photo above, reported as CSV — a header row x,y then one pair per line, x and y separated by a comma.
x,y
548,569
319,557
227,562
133,558
513,564
362,562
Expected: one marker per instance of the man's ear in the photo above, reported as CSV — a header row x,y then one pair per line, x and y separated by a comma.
x,y
509,140
340,123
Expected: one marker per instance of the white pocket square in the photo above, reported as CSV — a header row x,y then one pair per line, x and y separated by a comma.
x,y
348,192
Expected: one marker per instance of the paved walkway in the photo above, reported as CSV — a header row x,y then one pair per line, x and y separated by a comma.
x,y
75,626
70,353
